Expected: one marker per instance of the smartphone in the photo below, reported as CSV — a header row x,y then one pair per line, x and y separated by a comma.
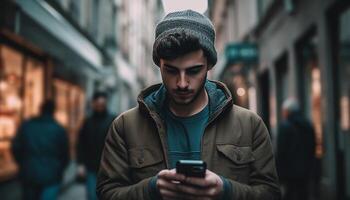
x,y
194,168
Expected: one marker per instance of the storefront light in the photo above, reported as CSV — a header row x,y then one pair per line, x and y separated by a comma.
x,y
3,85
13,102
241,92
316,81
344,113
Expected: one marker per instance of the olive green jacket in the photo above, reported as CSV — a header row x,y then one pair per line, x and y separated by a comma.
x,y
235,145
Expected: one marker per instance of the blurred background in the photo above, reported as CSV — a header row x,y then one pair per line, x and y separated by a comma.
x,y
268,51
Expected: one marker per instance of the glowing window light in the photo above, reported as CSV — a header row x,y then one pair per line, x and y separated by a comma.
x,y
241,92
344,113
3,85
13,102
176,5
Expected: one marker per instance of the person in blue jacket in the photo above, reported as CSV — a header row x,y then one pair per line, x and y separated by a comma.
x,y
41,150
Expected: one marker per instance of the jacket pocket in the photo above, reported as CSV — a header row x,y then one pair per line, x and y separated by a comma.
x,y
142,157
240,156
145,162
234,162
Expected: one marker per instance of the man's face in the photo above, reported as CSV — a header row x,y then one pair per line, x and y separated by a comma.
x,y
184,77
99,105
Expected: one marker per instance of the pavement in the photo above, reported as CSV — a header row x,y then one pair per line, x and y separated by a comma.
x,y
71,190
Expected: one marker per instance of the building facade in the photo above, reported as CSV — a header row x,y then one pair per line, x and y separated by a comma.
x,y
136,24
233,21
303,49
58,49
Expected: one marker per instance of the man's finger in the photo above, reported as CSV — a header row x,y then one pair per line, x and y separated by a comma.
x,y
171,175
166,184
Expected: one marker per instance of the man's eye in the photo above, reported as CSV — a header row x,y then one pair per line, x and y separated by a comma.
x,y
171,71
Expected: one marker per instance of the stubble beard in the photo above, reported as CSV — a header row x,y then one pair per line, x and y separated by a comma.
x,y
194,98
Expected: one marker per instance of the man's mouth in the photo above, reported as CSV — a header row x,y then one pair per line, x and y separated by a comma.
x,y
183,93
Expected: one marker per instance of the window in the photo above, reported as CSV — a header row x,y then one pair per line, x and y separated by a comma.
x,y
263,6
21,93
310,84
282,85
70,106
11,74
74,9
33,88
344,72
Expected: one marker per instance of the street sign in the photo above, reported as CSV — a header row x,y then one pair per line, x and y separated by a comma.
x,y
241,52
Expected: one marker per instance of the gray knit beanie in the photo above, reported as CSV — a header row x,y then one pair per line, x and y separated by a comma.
x,y
191,22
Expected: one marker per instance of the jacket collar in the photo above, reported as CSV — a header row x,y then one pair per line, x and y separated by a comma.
x,y
152,99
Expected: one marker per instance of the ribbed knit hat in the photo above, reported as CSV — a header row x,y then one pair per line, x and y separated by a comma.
x,y
194,23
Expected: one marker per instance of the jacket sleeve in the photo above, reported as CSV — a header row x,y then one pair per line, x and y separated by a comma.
x,y
64,145
113,180
81,147
263,183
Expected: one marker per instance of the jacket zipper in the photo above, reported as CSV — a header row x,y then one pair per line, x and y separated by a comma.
x,y
160,126
227,104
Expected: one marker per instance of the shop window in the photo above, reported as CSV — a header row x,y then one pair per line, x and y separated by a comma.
x,y
33,88
61,98
235,79
10,91
310,85
10,106
342,92
70,106
21,93
282,84
344,72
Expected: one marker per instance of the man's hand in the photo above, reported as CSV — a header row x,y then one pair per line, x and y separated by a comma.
x,y
176,186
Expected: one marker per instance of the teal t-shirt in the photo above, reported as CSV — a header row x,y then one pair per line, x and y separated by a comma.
x,y
184,135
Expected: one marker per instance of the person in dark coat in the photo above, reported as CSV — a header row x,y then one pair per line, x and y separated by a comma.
x,y
91,142
295,152
41,150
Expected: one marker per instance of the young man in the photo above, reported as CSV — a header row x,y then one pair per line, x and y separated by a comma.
x,y
187,117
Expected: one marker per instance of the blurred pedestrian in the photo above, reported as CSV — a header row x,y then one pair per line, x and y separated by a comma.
x,y
91,141
295,152
41,150
187,117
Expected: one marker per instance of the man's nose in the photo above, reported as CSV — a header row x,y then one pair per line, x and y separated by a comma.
x,y
182,81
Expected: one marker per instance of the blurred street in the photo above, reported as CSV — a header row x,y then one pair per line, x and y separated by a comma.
x,y
69,67
71,190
